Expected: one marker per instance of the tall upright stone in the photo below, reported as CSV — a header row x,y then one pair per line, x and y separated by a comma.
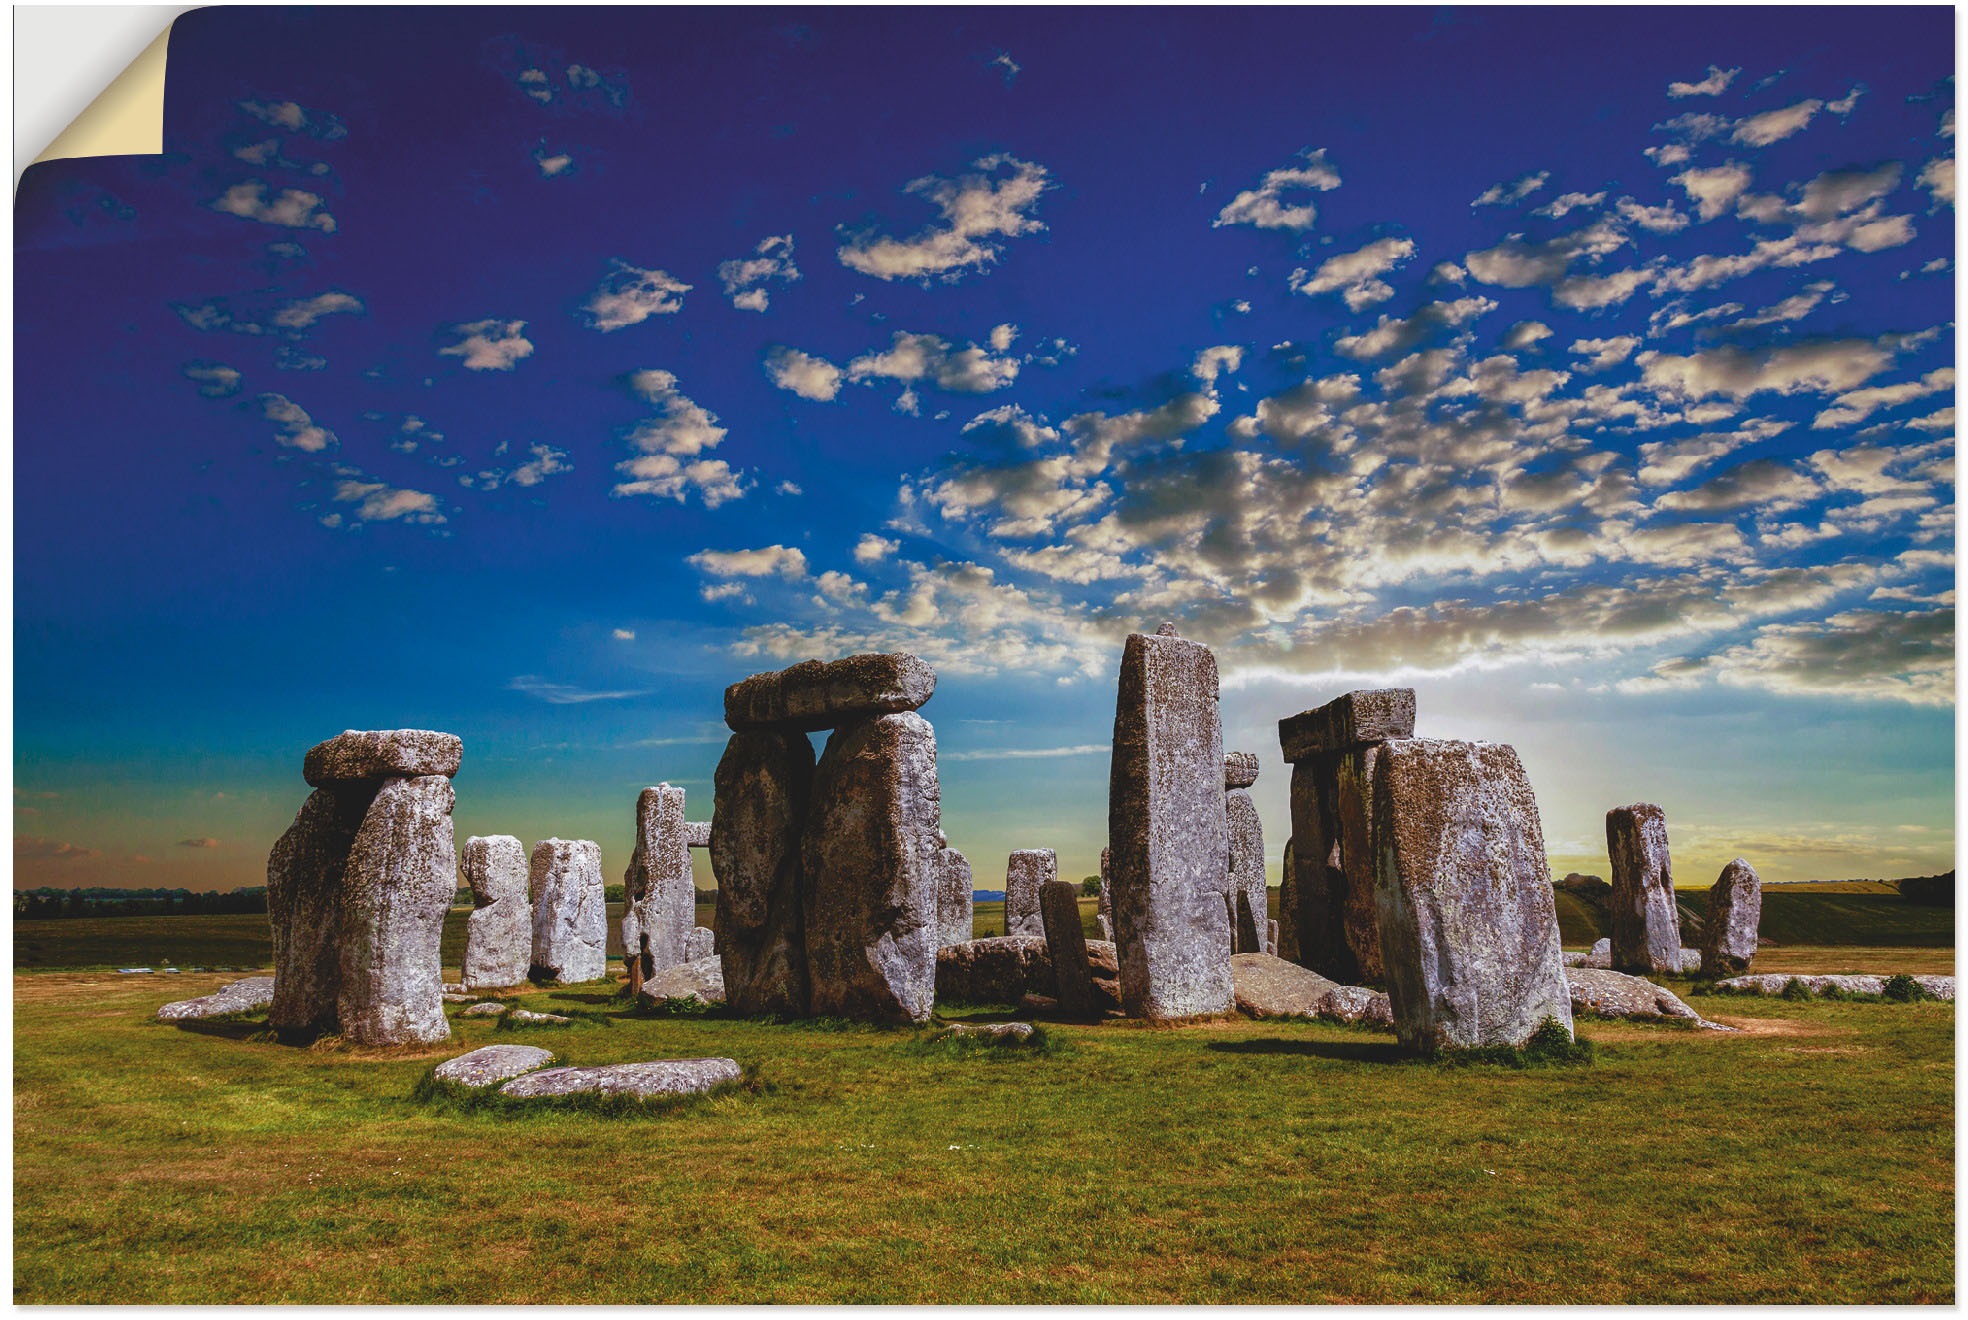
x,y
1025,873
499,932
1735,911
1646,923
1468,922
570,911
401,877
870,853
1104,914
1059,906
1167,828
660,903
1246,833
1287,923
955,898
763,785
304,907
1313,899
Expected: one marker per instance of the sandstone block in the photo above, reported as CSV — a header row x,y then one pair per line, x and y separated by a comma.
x,y
697,833
1354,720
1246,834
1468,924
763,785
658,1077
999,970
304,897
499,932
355,757
701,944
955,899
570,911
810,695
485,1008
1616,995
1239,769
660,903
1059,905
1735,910
1268,987
701,979
1166,825
1025,873
1646,924
869,851
1313,901
401,877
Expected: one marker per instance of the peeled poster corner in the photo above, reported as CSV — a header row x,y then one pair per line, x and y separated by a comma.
x,y
127,117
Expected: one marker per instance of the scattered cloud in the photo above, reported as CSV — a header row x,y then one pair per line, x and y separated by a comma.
x,y
564,694
489,345
804,374
1716,83
376,501
975,211
1355,275
215,380
294,428
872,549
1509,194
770,561
292,207
670,445
304,312
746,279
1280,200
203,841
629,295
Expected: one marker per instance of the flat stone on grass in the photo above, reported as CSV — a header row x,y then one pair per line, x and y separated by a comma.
x,y
701,979
528,1015
993,1030
253,993
493,1064
658,1077
1269,987
485,1008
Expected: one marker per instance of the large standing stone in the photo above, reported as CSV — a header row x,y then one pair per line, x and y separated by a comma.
x,y
355,756
1353,801
1027,871
499,932
402,875
304,895
1165,823
660,903
1354,720
1468,924
955,899
1284,938
1246,833
1312,904
811,696
869,850
1059,904
1646,924
570,911
763,785
1735,910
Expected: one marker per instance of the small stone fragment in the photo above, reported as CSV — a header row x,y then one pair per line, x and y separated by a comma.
x,y
701,944
1600,955
528,1015
458,999
1735,910
247,996
570,911
1356,1003
701,979
658,1077
401,876
499,932
492,1064
1027,871
1354,720
1059,906
1646,924
811,696
354,757
1270,987
1239,769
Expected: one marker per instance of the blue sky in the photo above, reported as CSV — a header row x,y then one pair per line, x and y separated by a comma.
x,y
533,374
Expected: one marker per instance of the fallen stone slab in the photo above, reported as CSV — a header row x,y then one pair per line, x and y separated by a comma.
x,y
247,996
1610,994
993,1030
484,1008
1266,986
493,1064
1354,720
460,999
528,1015
998,970
1357,1004
701,979
657,1077
1774,983
811,696
354,756
135,971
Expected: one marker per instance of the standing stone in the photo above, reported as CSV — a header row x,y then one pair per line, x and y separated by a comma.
x,y
402,875
1059,904
1104,914
1271,938
1646,924
1028,869
1313,902
1246,834
1353,808
304,889
660,903
869,850
499,932
1735,910
1468,924
1165,822
570,911
955,899
763,785
1284,935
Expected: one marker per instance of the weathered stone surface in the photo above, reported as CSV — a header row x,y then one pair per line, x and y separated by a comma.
x,y
999,970
1353,776
401,877
1239,769
1611,994
249,995
660,904
570,911
1284,941
485,1008
492,1064
1312,902
701,979
1600,955
354,756
993,1030
1735,910
1028,870
1166,825
701,944
1646,927
1104,914
810,695
1571,959
955,898
658,1077
1774,983
499,932
763,785
1468,924
1269,987
304,896
1357,1003
1354,720
528,1015
1066,945
1271,937
869,851
697,833
1246,834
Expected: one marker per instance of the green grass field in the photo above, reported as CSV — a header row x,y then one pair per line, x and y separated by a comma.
x,y
1807,1159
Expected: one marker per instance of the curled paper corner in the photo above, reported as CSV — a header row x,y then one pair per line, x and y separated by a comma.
x,y
127,117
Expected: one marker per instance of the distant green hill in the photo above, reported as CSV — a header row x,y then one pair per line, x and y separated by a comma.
x,y
1798,916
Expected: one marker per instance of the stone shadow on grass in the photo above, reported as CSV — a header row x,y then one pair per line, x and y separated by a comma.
x,y
1351,1051
227,1028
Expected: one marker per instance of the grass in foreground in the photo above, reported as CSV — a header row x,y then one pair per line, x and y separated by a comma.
x,y
1233,1162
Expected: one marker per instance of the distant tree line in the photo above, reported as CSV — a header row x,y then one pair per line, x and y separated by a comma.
x,y
45,903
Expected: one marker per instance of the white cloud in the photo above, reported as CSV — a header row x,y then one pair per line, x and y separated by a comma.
x,y
1211,363
1714,84
623,634
1508,194
1854,407
297,118
1524,334
975,210
1565,203
215,379
745,278
1775,125
1653,219
546,461
872,549
1821,367
1355,275
1398,334
1278,201
1605,353
296,430
681,430
304,312
1714,190
770,561
804,374
565,694
290,207
1870,654
1937,177
629,295
552,165
1794,308
377,502
918,357
489,345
